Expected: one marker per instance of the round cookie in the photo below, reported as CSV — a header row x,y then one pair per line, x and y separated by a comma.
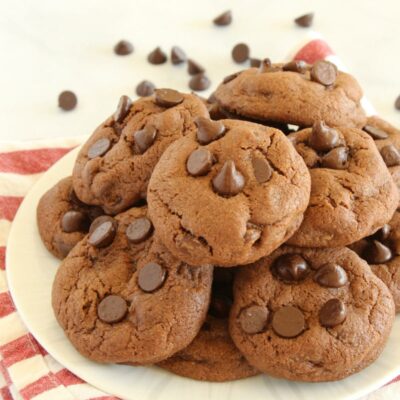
x,y
310,314
228,196
63,220
279,93
212,356
113,167
121,297
352,192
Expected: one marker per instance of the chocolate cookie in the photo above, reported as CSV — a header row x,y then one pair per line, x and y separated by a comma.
x,y
114,166
63,220
212,356
121,297
352,192
310,314
228,196
293,93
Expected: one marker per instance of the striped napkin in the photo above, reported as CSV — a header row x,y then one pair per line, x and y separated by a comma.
x,y
27,371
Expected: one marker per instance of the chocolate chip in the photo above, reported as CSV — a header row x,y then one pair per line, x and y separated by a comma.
x,y
194,68
266,66
199,82
253,233
157,56
253,319
139,230
323,138
215,111
112,309
73,198
229,181
305,21
151,277
290,268
383,233
67,100
178,56
74,221
377,253
199,162
220,306
123,108
336,158
103,233
123,48
230,77
144,138
397,103
145,88
168,97
324,72
390,155
99,148
261,168
208,130
255,62
332,313
99,220
331,275
288,322
295,66
240,53
375,132
223,19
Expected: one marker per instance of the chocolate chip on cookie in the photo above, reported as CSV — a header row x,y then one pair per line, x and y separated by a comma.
x,y
332,313
208,130
262,169
336,158
331,275
288,322
145,137
199,162
375,132
266,66
139,230
377,253
230,77
324,72
295,66
323,137
103,233
74,221
168,97
112,309
229,181
253,319
390,155
99,148
291,268
124,105
151,277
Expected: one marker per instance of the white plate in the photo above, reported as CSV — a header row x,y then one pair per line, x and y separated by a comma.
x,y
30,272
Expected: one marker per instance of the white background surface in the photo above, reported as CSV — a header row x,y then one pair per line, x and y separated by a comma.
x,y
50,45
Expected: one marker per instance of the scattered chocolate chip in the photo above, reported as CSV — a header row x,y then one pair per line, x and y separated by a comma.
x,y
295,66
194,68
74,221
288,322
220,306
139,230
255,62
253,319
323,138
375,132
266,66
261,168
230,77
332,313
112,309
397,103
199,162
178,56
168,97
305,21
324,72
99,220
290,268
240,53
103,233
99,148
336,159
208,130
145,137
67,100
157,56
151,277
229,181
377,253
145,88
199,82
123,48
390,155
223,19
124,105
331,275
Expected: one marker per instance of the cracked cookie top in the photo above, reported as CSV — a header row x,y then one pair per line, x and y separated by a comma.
x,y
121,297
287,94
310,314
114,166
352,192
229,195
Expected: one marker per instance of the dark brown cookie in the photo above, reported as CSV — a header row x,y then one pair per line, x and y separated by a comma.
x,y
325,324
114,166
230,195
129,301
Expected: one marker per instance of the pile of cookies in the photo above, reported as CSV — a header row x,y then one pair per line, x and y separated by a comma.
x,y
253,232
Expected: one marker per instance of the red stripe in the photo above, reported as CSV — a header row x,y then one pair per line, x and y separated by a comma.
x,y
68,378
6,304
2,258
19,349
397,379
43,384
313,51
30,161
4,372
105,398
5,394
9,206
